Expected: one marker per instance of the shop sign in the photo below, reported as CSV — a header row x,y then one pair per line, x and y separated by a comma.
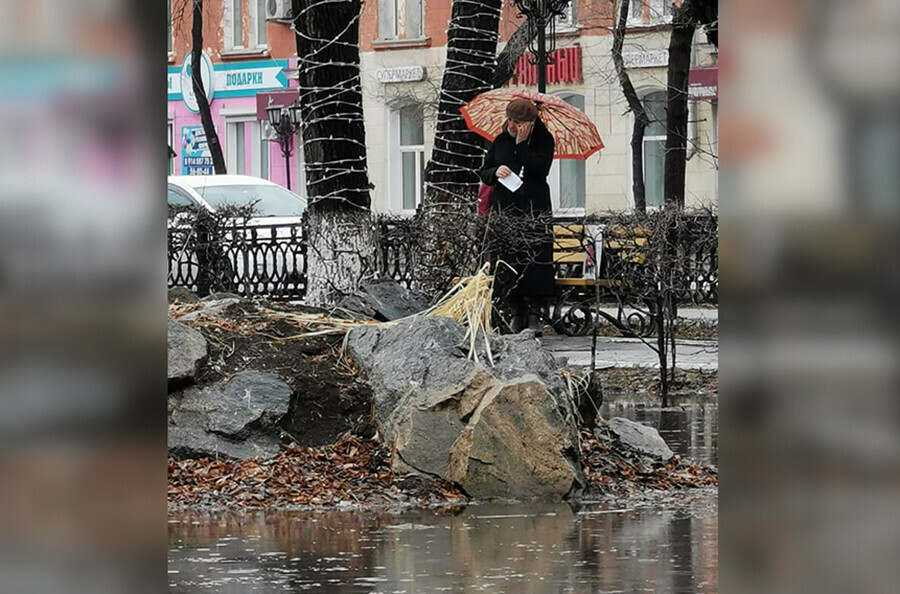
x,y
187,85
280,98
647,59
563,66
400,74
196,158
703,83
242,79
245,79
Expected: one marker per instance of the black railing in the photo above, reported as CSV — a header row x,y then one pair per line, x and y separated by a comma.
x,y
246,259
698,259
395,248
271,260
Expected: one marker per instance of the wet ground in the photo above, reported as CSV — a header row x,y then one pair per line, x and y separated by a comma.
x,y
662,546
664,543
690,427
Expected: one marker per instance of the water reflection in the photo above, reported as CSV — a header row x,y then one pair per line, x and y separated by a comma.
x,y
690,428
522,549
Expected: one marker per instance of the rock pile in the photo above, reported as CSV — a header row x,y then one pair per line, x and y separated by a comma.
x,y
505,430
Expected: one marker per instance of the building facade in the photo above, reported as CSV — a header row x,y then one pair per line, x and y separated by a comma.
x,y
251,62
402,47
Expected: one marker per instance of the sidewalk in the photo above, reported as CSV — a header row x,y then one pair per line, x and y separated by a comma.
x,y
706,315
631,352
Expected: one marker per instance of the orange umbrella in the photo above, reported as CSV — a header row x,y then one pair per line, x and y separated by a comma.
x,y
576,136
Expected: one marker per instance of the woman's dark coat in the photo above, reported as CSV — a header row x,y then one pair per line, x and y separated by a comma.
x,y
520,231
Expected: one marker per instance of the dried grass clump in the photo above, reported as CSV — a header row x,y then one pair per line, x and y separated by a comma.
x,y
469,303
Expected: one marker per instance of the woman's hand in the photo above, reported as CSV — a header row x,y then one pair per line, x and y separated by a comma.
x,y
522,131
503,171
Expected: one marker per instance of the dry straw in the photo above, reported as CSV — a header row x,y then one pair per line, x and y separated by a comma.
x,y
468,302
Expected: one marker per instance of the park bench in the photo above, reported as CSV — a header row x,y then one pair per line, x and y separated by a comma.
x,y
583,279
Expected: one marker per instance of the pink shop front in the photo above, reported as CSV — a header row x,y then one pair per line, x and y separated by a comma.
x,y
238,94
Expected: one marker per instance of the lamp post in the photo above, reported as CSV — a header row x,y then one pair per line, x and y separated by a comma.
x,y
285,121
543,15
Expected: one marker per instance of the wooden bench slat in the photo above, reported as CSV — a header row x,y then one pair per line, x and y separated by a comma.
x,y
586,282
567,244
568,231
568,257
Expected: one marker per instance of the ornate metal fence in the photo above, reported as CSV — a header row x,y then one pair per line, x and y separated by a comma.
x,y
395,247
271,260
248,260
699,259
701,270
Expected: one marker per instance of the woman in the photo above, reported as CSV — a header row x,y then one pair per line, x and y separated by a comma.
x,y
521,231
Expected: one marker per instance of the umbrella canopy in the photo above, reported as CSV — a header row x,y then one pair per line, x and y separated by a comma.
x,y
576,136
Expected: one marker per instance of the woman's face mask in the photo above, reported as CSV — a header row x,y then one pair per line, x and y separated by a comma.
x,y
512,127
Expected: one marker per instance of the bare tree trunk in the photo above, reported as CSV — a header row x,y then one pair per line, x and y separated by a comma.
x,y
340,242
706,13
680,42
683,27
634,106
212,137
451,174
662,350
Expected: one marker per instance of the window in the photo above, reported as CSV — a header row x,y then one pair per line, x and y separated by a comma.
x,y
715,128
637,10
567,176
655,147
649,12
566,22
170,138
169,26
406,159
244,147
267,200
175,197
245,24
298,183
400,19
262,37
264,148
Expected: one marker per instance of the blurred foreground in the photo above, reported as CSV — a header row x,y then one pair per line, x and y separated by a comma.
x,y
810,146
810,419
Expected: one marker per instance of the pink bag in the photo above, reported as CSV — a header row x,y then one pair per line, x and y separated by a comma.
x,y
484,199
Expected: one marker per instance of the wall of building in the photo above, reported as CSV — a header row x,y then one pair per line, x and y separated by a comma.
x,y
607,174
231,103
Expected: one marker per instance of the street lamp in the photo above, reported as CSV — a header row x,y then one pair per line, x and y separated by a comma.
x,y
543,15
285,121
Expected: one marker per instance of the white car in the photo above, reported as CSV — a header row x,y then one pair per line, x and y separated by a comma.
x,y
273,204
266,257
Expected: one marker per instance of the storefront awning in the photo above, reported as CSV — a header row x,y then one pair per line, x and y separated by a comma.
x,y
280,98
703,83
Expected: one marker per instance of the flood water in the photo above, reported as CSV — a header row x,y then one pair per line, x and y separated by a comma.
x,y
690,428
665,544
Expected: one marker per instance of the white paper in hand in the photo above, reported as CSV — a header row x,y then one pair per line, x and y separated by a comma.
x,y
511,181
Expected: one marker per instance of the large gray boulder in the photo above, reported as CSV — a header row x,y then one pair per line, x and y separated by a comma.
x,y
385,299
641,438
500,431
186,350
194,442
182,295
236,418
211,308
